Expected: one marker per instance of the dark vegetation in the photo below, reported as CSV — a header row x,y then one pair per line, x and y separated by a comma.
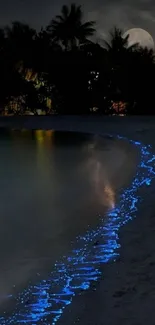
x,y
60,70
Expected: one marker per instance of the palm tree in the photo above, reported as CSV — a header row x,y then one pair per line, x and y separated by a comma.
x,y
131,70
68,28
118,42
118,54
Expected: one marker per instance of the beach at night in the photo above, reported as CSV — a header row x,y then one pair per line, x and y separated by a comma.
x,y
126,284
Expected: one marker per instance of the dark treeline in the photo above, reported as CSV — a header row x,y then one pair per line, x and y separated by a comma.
x,y
59,69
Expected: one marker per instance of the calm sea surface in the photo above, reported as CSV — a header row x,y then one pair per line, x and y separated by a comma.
x,y
52,186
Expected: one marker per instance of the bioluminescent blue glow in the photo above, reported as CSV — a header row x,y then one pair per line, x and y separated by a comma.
x,y
45,302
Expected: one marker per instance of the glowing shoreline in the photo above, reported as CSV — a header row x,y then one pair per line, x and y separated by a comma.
x,y
44,303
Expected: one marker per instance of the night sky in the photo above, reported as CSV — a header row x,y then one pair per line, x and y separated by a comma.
x,y
123,13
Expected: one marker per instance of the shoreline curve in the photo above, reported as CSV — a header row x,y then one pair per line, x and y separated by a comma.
x,y
144,176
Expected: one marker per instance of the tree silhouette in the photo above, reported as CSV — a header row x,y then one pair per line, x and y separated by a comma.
x,y
68,28
118,42
19,41
118,52
61,66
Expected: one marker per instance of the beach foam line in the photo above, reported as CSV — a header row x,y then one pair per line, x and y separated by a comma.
x,y
44,303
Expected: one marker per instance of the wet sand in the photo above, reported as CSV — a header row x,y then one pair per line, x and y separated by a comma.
x,y
126,293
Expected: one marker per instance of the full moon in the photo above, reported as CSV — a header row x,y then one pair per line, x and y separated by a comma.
x,y
140,36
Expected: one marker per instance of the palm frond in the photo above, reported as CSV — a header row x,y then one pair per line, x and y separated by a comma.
x,y
89,24
60,18
68,27
76,12
65,11
108,45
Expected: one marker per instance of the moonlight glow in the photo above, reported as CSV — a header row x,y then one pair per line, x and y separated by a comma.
x,y
140,36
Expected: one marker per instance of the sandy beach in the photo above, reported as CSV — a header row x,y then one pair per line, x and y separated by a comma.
x,y
125,293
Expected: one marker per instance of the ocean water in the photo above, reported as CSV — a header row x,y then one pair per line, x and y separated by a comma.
x,y
53,187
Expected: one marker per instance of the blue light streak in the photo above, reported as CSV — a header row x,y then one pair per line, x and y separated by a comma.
x,y
45,302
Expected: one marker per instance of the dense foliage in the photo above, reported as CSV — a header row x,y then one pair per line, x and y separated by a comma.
x,y
60,70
